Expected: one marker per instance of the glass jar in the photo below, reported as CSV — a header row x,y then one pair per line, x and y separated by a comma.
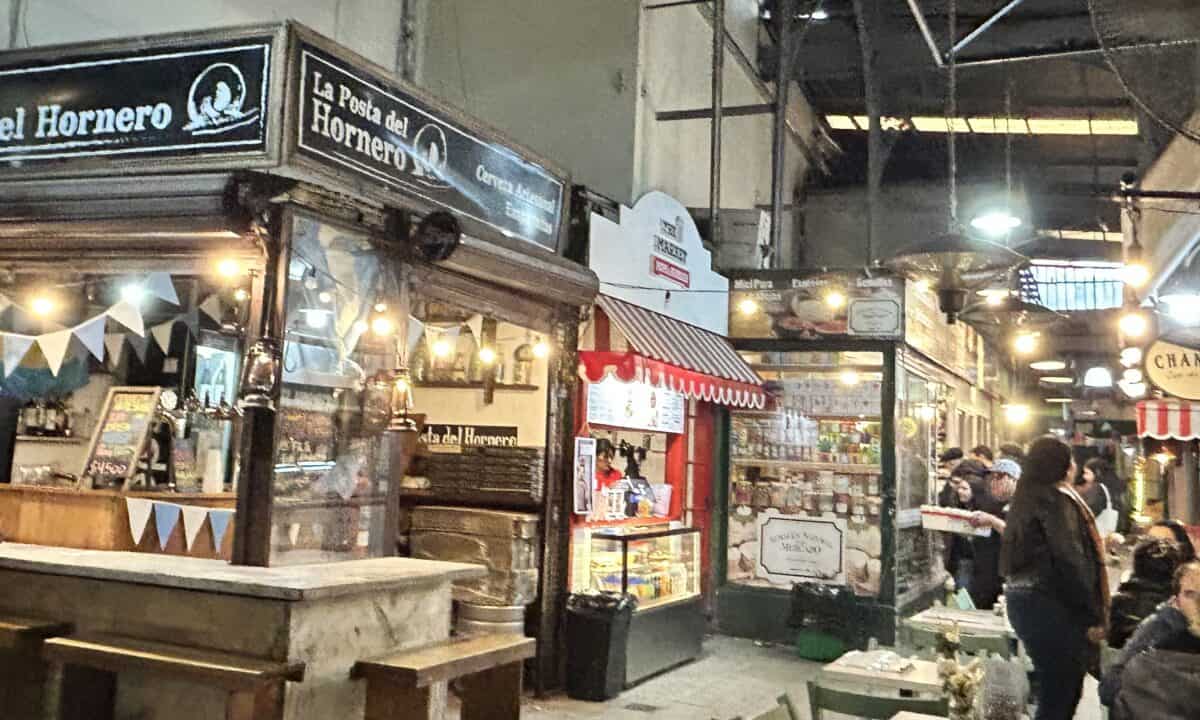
x,y
778,494
841,503
825,501
743,492
873,485
795,499
762,496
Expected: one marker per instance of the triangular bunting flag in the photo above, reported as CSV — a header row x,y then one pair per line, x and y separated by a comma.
x,y
193,520
4,303
160,286
416,329
15,347
91,334
139,345
212,307
128,315
114,343
139,516
475,325
54,347
166,517
162,335
219,520
191,318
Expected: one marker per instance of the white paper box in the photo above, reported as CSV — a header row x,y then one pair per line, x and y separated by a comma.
x,y
951,520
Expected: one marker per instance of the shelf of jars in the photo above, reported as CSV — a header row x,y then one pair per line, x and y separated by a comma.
x,y
835,467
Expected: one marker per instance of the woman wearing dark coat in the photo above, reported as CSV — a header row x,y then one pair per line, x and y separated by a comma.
x,y
1154,564
1056,586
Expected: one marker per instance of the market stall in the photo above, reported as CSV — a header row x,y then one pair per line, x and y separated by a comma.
x,y
822,528
658,376
215,298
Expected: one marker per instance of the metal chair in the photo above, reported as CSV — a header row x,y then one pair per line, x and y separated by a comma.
x,y
784,709
874,707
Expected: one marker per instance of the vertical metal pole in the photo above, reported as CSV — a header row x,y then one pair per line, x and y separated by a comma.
x,y
718,91
783,79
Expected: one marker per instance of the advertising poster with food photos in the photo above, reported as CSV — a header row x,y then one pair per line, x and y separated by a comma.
x,y
788,306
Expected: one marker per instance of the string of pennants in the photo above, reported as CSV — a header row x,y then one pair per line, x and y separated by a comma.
x,y
91,334
167,517
431,334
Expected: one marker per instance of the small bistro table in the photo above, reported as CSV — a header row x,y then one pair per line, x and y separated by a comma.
x,y
921,678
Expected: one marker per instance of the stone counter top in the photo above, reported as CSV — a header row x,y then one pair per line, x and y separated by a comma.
x,y
293,582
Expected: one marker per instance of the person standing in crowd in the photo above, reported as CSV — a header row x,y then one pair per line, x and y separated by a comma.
x,y
1056,586
991,508
949,460
1154,563
960,491
1012,451
1174,626
1104,493
983,455
1096,497
1174,531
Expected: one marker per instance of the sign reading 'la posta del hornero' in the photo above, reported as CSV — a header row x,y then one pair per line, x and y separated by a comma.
x,y
176,102
375,129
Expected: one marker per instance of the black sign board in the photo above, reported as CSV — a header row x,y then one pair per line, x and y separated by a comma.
x,y
456,438
179,102
121,433
377,130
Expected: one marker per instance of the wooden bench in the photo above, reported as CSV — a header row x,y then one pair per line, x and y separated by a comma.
x,y
24,673
254,685
23,633
488,667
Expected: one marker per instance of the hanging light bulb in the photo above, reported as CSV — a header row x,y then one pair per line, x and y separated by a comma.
x,y
541,349
42,305
747,307
487,355
442,348
835,299
229,268
1133,324
382,325
1025,343
133,293
1016,414
849,377
241,295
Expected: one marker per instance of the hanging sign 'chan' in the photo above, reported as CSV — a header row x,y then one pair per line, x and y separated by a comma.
x,y
1174,369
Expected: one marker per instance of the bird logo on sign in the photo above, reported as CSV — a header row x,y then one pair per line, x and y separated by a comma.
x,y
216,101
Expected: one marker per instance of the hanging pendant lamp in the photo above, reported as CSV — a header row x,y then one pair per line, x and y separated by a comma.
x,y
954,263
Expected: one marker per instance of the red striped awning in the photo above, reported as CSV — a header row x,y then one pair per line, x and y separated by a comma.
x,y
676,355
1168,419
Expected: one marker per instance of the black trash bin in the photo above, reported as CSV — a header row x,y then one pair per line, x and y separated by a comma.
x,y
597,630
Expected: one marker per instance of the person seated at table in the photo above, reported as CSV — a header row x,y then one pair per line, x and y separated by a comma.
x,y
1154,563
991,507
1175,531
1174,626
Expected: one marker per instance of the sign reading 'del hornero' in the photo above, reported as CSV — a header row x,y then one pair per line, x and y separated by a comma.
x,y
456,438
177,102
379,131
1174,369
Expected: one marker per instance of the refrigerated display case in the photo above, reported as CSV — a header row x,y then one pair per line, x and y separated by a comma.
x,y
661,568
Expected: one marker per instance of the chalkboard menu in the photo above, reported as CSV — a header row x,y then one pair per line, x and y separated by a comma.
x,y
121,434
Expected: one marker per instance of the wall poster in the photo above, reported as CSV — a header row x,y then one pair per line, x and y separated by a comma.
x,y
801,549
584,485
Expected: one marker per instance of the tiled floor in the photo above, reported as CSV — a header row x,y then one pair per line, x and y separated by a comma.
x,y
733,678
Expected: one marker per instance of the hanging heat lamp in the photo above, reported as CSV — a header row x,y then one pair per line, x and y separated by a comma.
x,y
954,263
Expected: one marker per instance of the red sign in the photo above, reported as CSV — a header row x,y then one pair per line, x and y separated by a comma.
x,y
670,271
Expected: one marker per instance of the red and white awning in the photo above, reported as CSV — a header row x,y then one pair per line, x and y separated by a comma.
x,y
1168,419
594,366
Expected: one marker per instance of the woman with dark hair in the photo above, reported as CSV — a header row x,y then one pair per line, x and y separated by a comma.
x,y
1105,493
1154,564
1056,589
1174,531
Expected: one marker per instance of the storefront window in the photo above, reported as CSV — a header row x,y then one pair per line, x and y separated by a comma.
x,y
122,382
918,553
805,491
331,463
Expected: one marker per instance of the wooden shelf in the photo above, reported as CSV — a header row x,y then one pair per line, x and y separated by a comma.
x,y
664,601
453,385
845,469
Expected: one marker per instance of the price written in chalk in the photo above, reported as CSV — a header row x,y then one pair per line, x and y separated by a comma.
x,y
122,433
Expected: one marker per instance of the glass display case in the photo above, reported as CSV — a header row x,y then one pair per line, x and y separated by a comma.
x,y
657,567
809,463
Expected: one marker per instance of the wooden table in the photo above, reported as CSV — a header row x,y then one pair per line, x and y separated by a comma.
x,y
921,678
971,622
916,716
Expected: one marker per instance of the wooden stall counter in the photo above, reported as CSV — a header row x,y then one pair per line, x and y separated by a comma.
x,y
323,617
100,520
